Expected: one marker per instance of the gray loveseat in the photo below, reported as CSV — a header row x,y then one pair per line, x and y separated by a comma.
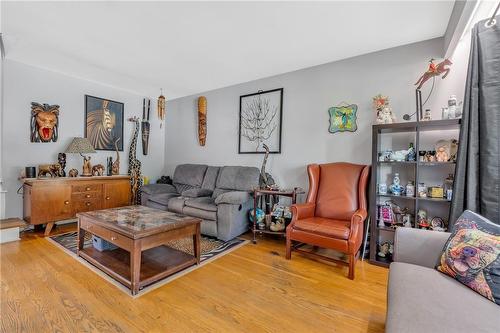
x,y
220,196
421,299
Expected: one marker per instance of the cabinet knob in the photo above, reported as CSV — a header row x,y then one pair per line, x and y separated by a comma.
x,y
87,189
107,198
87,203
113,238
66,202
87,196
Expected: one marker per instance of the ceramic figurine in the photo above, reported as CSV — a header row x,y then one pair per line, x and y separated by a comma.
x,y
61,159
278,225
98,170
422,190
423,223
384,111
396,188
411,153
73,173
410,189
407,221
427,115
441,154
437,224
382,188
399,155
51,169
87,167
385,249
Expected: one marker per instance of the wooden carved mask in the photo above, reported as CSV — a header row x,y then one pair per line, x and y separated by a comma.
x,y
44,122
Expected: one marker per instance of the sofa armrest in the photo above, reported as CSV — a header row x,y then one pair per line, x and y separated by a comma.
x,y
158,188
419,247
233,198
197,192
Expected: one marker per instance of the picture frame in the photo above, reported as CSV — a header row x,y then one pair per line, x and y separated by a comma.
x,y
343,118
260,122
104,122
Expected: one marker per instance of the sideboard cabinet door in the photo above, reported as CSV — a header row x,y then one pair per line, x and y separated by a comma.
x,y
51,202
116,194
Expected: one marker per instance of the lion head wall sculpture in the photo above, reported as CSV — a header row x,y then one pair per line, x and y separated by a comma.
x,y
44,122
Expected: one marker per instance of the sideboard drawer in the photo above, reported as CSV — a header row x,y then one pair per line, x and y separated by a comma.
x,y
87,205
86,188
85,196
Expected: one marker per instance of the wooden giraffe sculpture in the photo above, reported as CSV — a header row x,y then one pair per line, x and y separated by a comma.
x,y
134,165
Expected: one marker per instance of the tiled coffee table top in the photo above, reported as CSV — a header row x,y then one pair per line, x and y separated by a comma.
x,y
138,221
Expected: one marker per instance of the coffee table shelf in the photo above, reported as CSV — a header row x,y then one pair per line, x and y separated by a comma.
x,y
156,263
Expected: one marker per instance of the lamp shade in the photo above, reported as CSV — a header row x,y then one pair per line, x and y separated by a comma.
x,y
80,146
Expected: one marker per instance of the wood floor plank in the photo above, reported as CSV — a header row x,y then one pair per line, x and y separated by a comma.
x,y
252,289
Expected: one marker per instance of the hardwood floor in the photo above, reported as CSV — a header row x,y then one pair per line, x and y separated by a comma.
x,y
252,289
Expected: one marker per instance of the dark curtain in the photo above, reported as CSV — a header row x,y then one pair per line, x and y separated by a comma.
x,y
477,179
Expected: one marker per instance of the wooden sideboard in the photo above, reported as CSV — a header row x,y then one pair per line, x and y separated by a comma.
x,y
47,200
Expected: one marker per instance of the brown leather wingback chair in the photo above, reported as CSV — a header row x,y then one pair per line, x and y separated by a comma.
x,y
334,213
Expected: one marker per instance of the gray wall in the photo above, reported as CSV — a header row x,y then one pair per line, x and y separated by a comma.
x,y
26,84
308,94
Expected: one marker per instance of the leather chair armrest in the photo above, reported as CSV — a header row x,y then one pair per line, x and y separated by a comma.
x,y
357,224
302,211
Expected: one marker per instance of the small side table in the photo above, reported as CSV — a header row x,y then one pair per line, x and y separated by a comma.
x,y
257,193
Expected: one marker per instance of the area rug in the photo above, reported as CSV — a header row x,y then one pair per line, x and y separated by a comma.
x,y
211,249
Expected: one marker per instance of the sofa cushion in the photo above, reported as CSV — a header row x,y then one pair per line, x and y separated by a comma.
x,y
197,192
204,203
422,299
210,178
472,255
200,213
163,198
189,174
158,188
238,178
326,227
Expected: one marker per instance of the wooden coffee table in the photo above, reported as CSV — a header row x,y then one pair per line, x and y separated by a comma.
x,y
140,233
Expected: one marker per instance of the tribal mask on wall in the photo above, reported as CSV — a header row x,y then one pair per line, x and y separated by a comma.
x,y
44,122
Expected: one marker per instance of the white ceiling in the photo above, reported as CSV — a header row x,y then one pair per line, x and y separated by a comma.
x,y
188,47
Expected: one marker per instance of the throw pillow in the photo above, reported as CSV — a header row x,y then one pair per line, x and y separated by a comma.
x,y
472,255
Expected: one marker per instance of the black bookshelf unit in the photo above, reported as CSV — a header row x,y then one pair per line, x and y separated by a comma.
x,y
412,168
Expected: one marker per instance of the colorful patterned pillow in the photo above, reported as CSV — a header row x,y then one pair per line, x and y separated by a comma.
x,y
472,255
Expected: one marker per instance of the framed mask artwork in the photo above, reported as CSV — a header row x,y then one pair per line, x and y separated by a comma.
x,y
44,122
104,123
343,118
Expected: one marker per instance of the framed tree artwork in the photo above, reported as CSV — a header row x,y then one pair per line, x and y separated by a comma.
x,y
104,123
261,114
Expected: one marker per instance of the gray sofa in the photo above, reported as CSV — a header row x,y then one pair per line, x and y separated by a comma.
x,y
220,196
421,299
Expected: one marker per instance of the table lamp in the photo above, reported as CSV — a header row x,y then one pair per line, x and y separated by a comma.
x,y
82,146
